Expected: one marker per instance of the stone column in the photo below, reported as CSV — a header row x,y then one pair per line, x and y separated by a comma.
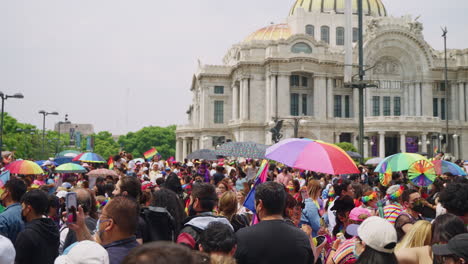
x,y
330,98
405,100
337,137
427,99
461,100
412,100
320,97
184,148
178,150
273,93
284,96
418,98
403,141
366,148
267,98
235,102
456,151
382,144
453,102
424,143
196,144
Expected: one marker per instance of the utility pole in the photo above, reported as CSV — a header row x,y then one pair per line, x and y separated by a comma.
x,y
444,35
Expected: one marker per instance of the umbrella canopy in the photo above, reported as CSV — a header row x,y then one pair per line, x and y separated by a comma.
x,y
312,155
68,153
141,160
422,173
354,155
70,168
203,154
25,167
386,177
250,150
398,162
442,166
43,163
91,157
102,173
77,158
374,161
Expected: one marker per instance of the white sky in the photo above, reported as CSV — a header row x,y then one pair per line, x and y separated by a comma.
x,y
125,64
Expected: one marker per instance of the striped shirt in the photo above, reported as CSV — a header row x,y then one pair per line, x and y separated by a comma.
x,y
345,253
392,211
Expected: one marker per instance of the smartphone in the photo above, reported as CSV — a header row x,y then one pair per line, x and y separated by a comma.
x,y
71,204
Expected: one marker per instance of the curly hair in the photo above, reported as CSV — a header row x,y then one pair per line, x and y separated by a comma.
x,y
454,197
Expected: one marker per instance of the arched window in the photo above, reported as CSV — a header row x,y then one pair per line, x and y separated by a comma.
x,y
310,30
340,36
325,34
301,47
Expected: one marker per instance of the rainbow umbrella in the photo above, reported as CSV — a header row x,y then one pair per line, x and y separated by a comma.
x,y
422,173
386,177
77,158
92,158
398,162
442,166
24,167
313,155
70,168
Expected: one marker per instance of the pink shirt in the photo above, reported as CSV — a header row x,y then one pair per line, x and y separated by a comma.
x,y
283,179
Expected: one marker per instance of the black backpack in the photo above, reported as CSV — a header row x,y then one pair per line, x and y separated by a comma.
x,y
160,224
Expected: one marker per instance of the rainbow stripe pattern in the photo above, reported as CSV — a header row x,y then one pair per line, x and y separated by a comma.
x,y
150,153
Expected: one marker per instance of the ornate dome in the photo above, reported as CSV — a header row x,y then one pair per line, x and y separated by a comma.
x,y
370,7
273,32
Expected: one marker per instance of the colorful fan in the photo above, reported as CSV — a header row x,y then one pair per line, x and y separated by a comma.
x,y
386,177
422,173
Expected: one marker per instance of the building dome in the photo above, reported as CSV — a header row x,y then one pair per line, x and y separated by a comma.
x,y
370,7
272,32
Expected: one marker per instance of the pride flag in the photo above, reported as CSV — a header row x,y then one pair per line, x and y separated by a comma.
x,y
150,153
436,149
4,177
110,163
261,178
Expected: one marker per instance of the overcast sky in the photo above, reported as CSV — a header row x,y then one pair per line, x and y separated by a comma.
x,y
125,64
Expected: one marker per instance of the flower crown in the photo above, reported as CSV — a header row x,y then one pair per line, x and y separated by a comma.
x,y
396,194
369,197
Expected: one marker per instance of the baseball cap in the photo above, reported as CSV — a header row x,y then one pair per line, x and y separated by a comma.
x,y
359,214
7,251
458,246
189,164
84,252
61,194
378,234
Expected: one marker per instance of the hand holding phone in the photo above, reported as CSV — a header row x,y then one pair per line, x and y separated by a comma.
x,y
71,204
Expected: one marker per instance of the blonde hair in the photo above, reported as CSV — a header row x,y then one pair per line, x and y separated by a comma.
x,y
314,188
228,204
420,235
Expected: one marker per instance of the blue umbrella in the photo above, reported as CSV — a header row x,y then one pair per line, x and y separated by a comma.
x,y
91,157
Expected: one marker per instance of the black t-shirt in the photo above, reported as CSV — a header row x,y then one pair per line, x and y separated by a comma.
x,y
273,241
217,177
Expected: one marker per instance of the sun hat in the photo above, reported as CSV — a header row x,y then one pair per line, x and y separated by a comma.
x,y
378,234
359,214
84,252
458,246
7,251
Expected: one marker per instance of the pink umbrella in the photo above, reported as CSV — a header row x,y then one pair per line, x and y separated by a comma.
x,y
313,155
102,173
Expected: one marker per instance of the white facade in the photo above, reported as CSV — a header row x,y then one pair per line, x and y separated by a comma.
x,y
288,70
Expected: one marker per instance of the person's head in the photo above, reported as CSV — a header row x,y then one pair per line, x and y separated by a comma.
x,y
241,197
370,199
411,199
344,187
128,186
455,251
394,193
14,189
270,199
173,183
420,235
228,204
293,210
203,198
118,220
222,187
84,199
453,198
54,205
218,238
168,199
445,227
314,189
34,205
375,242
343,206
160,252
85,251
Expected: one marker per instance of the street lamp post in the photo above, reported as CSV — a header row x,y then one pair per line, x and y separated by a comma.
x,y
44,113
4,97
444,35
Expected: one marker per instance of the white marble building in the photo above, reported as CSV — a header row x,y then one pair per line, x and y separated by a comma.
x,y
297,69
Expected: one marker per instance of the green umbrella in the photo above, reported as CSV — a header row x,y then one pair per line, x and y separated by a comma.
x,y
70,168
68,153
398,162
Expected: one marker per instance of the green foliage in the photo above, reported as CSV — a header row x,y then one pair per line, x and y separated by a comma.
x,y
105,145
346,146
162,138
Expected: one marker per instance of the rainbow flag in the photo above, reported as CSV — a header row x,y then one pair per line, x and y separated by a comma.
x,y
436,150
110,163
4,177
150,153
262,174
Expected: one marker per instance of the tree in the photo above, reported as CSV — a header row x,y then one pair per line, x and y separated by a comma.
x,y
346,146
105,145
162,138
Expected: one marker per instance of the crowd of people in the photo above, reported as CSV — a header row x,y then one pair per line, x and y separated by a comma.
x,y
195,211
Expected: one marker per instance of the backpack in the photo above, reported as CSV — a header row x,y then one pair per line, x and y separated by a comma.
x,y
160,224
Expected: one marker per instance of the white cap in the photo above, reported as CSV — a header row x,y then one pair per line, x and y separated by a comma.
x,y
189,164
393,189
7,251
84,252
61,194
378,234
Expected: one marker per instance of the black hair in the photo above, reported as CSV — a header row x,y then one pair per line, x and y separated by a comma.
x,y
218,237
17,189
405,196
169,200
160,181
160,253
38,200
445,227
454,198
53,202
206,194
131,185
273,196
173,183
340,186
109,188
342,205
372,256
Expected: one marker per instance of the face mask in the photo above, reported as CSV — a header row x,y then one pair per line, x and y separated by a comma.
x,y
356,255
23,217
191,211
97,232
417,207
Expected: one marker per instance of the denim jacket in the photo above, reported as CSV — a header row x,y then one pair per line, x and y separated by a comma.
x,y
10,222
